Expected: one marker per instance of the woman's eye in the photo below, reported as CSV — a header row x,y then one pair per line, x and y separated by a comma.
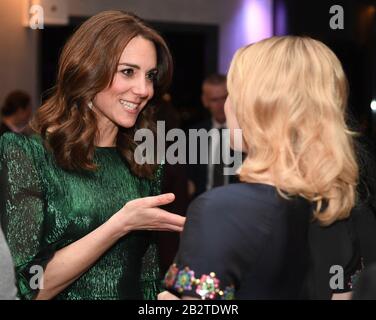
x,y
127,72
152,76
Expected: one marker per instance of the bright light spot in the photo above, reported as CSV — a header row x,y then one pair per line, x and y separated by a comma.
x,y
373,105
257,20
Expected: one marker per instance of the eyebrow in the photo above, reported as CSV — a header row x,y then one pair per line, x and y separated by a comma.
x,y
136,66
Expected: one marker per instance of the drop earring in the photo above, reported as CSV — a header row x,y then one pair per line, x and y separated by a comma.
x,y
90,105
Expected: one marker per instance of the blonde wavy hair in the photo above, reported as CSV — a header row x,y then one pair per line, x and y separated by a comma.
x,y
290,95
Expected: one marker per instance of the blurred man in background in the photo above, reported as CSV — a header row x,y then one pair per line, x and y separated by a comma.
x,y
203,177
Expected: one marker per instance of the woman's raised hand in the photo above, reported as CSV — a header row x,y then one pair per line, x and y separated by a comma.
x,y
144,214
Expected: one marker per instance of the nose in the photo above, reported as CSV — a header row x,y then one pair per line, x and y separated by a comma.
x,y
141,87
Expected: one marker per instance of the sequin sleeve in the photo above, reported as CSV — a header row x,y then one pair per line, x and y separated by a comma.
x,y
22,212
150,272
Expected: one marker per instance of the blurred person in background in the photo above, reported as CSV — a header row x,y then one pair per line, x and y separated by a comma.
x,y
205,176
365,288
8,289
16,112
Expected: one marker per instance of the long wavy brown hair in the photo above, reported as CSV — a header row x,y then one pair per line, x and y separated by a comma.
x,y
87,66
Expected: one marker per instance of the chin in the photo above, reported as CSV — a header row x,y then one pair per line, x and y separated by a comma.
x,y
127,125
126,121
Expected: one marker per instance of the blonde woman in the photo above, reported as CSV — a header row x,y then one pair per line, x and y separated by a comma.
x,y
249,240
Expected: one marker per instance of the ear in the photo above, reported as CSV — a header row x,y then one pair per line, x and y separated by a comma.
x,y
204,100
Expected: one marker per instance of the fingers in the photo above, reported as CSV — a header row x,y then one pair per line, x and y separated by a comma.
x,y
165,217
165,295
162,220
144,214
170,228
154,201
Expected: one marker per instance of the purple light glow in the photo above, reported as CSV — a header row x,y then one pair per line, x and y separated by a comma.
x,y
280,27
251,21
257,20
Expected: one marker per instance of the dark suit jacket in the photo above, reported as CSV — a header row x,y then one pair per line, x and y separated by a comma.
x,y
198,173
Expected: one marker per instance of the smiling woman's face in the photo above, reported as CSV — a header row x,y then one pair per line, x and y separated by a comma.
x,y
132,86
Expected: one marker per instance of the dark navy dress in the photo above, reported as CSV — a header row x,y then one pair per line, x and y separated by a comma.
x,y
243,241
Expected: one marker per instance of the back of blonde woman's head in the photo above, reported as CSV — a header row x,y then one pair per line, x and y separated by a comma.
x,y
289,95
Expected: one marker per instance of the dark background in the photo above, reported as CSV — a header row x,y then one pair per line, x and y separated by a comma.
x,y
195,51
354,46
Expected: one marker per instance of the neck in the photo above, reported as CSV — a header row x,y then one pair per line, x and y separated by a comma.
x,y
107,133
218,123
265,177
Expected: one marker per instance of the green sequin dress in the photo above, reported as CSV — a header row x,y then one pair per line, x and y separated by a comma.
x,y
44,208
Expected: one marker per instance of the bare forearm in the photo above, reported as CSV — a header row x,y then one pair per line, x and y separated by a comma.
x,y
71,262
